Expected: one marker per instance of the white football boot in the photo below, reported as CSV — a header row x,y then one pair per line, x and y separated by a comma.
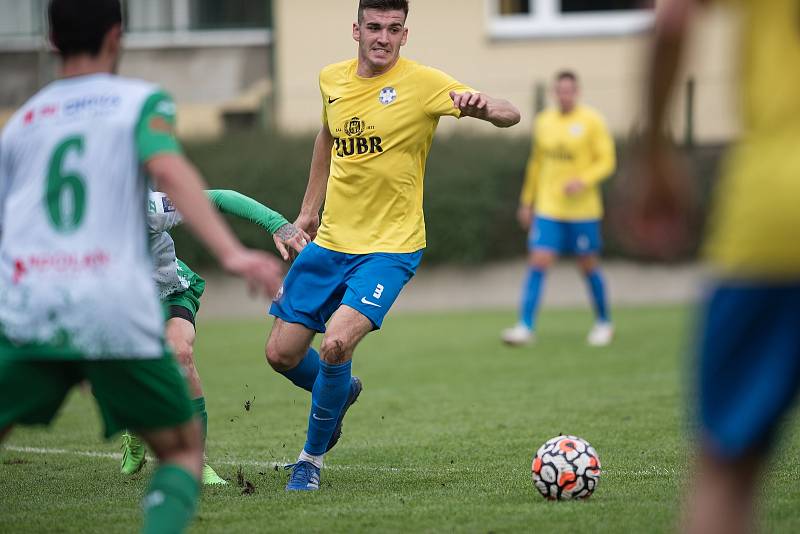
x,y
601,334
518,335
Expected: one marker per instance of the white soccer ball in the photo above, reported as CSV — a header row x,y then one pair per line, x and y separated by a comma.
x,y
565,468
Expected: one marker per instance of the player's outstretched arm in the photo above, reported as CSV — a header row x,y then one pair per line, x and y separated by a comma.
x,y
177,177
285,235
499,112
308,220
670,35
655,194
234,203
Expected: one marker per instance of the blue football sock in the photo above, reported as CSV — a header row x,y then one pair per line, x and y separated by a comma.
x,y
327,400
597,291
530,297
305,374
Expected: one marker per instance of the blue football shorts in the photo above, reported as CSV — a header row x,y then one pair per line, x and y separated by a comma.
x,y
321,280
566,237
749,365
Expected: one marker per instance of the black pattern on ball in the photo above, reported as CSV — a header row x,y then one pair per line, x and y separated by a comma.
x,y
565,468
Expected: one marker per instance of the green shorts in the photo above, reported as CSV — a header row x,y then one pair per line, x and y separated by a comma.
x,y
189,298
140,395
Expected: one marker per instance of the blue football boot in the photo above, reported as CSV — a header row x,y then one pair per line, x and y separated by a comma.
x,y
304,477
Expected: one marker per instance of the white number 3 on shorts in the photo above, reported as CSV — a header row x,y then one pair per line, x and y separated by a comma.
x,y
378,291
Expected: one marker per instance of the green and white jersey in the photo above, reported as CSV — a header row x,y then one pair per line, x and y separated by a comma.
x,y
161,218
76,276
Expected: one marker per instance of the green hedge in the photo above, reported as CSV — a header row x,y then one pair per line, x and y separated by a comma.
x,y
471,190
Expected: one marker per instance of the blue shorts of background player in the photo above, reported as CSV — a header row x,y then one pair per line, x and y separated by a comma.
x,y
321,280
573,238
547,241
749,365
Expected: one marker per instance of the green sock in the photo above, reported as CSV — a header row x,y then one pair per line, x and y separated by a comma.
x,y
199,405
170,501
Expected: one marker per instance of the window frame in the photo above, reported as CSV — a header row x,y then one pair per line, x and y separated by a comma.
x,y
197,38
180,36
547,21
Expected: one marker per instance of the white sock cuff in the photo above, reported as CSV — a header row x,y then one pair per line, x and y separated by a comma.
x,y
316,460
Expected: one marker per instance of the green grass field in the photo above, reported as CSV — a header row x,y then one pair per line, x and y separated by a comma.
x,y
441,439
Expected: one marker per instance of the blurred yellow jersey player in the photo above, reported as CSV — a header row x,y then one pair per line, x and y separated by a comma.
x,y
748,367
561,204
566,147
755,221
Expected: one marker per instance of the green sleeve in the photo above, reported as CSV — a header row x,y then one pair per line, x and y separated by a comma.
x,y
155,130
233,203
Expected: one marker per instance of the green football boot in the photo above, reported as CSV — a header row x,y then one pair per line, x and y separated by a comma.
x,y
134,454
211,478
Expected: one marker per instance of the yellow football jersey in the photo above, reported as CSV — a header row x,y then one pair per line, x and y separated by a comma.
x,y
756,215
565,147
382,129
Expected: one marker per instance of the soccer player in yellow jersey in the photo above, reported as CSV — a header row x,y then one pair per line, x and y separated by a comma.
x,y
748,363
561,204
379,115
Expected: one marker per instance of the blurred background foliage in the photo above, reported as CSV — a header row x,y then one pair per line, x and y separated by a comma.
x,y
472,186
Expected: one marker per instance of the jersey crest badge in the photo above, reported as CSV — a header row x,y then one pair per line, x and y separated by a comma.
x,y
167,205
354,127
576,129
387,95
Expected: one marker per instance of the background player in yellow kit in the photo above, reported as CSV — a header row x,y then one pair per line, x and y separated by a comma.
x,y
379,115
748,368
561,204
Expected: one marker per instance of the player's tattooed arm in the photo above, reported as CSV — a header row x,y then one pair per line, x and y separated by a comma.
x,y
499,112
290,240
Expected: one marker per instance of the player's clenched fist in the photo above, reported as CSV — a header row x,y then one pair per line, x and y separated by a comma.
x,y
471,104
262,272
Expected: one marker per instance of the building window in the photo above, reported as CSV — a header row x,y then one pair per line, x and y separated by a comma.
x,y
578,6
200,15
149,15
21,18
516,19
514,7
153,23
214,14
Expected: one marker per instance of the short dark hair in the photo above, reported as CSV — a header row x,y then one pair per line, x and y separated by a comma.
x,y
79,26
567,75
382,5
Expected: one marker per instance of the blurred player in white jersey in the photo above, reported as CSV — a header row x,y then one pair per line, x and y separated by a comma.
x,y
77,297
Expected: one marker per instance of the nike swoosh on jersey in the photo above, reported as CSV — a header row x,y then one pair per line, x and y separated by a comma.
x,y
332,100
321,418
365,301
